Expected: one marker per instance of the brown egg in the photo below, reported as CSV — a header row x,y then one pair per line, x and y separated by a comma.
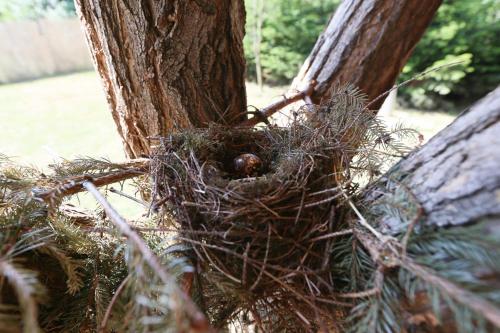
x,y
247,165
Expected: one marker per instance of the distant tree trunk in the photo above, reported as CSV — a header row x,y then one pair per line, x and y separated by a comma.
x,y
366,43
259,18
167,65
456,175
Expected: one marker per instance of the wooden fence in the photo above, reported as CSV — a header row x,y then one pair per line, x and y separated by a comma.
x,y
33,49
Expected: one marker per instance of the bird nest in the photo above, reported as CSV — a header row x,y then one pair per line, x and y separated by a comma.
x,y
263,210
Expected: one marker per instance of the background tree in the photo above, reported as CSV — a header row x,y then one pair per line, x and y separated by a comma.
x,y
351,51
258,8
459,32
288,36
36,9
465,31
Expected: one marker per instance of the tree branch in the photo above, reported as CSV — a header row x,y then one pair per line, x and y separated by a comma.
x,y
75,184
276,106
198,320
464,297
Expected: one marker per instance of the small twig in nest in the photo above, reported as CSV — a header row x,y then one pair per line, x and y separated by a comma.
x,y
273,108
125,195
362,219
332,235
379,280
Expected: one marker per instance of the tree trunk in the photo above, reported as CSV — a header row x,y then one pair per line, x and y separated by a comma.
x,y
366,43
455,181
455,177
167,65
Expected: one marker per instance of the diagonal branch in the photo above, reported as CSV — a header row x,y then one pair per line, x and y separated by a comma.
x,y
75,184
462,296
199,323
387,256
268,111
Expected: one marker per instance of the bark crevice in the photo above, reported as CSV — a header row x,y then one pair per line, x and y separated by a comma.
x,y
167,66
455,176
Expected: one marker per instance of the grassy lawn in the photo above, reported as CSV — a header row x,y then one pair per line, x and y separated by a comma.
x,y
61,116
67,116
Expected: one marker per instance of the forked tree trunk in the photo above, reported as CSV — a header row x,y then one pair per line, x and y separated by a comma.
x,y
455,177
366,43
176,64
167,65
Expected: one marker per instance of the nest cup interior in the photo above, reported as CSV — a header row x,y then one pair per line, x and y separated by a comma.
x,y
239,227
229,145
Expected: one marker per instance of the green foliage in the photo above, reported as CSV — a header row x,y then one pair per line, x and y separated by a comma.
x,y
58,273
35,9
463,30
442,277
289,31
461,257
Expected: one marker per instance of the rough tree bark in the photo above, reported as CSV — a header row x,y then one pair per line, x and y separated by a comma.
x,y
366,43
455,177
167,65
176,64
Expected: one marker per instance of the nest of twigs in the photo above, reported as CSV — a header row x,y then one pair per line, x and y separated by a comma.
x,y
262,239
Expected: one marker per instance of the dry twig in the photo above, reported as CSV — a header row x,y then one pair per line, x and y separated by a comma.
x,y
74,185
274,107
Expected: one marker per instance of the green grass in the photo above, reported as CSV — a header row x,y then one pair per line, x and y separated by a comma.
x,y
64,116
67,116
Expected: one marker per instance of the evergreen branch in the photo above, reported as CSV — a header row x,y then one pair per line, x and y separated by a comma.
x,y
198,320
462,296
392,255
69,265
25,284
87,165
75,184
